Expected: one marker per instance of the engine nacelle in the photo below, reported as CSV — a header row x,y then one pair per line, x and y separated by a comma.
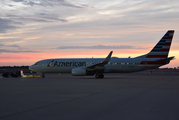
x,y
78,72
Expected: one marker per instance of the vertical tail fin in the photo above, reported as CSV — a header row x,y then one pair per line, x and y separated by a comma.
x,y
162,48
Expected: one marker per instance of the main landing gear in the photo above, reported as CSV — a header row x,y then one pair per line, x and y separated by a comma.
x,y
99,75
43,75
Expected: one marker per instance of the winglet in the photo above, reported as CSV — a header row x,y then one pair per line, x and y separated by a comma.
x,y
108,58
93,67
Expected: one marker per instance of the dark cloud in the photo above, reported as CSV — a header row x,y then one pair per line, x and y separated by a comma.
x,y
16,51
5,24
14,48
52,18
18,0
14,45
100,47
1,45
50,3
42,19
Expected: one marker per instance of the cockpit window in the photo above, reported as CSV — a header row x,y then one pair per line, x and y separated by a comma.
x,y
36,63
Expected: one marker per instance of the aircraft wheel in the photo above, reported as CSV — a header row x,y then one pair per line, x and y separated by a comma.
x,y
99,76
43,75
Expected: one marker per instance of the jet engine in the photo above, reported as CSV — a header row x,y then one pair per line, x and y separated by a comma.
x,y
78,71
82,72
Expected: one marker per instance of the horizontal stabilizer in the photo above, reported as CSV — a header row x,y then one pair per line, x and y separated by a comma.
x,y
166,59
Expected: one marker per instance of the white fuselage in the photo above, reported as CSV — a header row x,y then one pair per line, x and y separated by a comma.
x,y
117,65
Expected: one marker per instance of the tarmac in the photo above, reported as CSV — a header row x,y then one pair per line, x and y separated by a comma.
x,y
66,97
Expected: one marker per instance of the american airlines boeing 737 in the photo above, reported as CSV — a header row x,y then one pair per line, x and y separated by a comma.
x,y
157,57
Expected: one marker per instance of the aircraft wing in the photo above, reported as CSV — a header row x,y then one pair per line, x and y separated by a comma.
x,y
100,66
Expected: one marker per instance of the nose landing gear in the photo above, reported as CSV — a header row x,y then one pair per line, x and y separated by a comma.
x,y
43,75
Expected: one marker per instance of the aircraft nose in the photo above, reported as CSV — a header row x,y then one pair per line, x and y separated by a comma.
x,y
31,67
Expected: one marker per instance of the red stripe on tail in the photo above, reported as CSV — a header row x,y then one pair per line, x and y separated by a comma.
x,y
170,37
164,50
169,43
156,56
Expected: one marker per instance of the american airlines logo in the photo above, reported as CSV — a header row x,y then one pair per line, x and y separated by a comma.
x,y
67,64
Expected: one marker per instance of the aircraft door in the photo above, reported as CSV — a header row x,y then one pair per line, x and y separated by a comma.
x,y
43,64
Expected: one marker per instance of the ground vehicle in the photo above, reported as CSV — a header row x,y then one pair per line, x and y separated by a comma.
x,y
10,74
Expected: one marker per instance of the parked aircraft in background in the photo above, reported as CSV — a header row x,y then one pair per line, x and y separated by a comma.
x,y
157,57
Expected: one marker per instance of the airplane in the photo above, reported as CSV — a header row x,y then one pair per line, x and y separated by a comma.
x,y
157,57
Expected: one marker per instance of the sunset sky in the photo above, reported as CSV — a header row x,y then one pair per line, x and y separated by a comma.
x,y
32,30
